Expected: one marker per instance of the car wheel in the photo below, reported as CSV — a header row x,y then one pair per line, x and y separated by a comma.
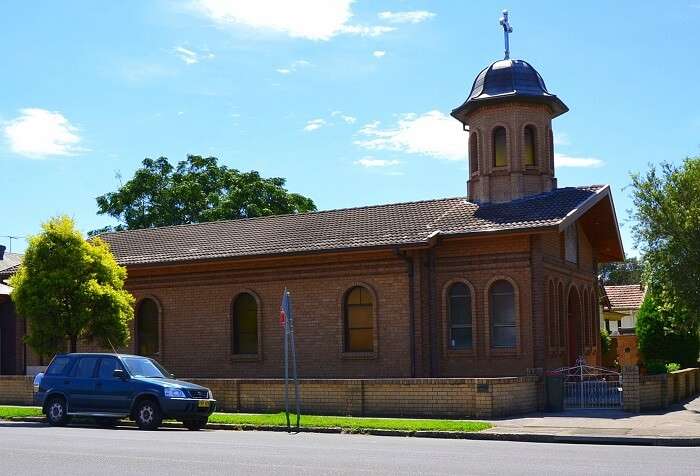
x,y
105,422
195,424
57,412
148,415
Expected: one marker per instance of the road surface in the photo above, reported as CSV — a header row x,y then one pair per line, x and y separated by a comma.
x,y
33,448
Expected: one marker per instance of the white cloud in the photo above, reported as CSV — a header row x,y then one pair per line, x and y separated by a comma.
x,y
370,161
292,68
309,19
347,119
432,133
563,160
379,53
190,56
284,70
38,133
314,124
415,16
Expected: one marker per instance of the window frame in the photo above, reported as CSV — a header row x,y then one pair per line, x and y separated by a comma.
x,y
494,164
532,131
344,352
259,328
159,316
447,318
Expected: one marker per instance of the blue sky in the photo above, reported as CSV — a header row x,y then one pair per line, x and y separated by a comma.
x,y
348,100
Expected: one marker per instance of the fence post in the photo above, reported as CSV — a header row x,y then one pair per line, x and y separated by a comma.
x,y
630,388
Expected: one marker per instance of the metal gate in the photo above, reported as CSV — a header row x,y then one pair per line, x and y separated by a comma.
x,y
590,387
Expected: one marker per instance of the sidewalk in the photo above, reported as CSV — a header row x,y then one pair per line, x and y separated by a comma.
x,y
680,425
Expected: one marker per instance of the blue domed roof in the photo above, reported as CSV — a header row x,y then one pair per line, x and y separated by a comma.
x,y
506,80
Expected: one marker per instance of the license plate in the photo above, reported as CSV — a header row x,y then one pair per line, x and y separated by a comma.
x,y
203,404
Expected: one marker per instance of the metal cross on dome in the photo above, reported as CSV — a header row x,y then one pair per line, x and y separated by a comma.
x,y
507,29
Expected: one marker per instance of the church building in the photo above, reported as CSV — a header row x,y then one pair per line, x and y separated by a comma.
x,y
490,284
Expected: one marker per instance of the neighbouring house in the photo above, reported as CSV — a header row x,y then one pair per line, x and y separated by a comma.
x,y
494,283
12,349
620,305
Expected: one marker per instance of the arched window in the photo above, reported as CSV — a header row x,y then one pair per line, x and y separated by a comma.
x,y
499,147
147,328
551,150
473,153
245,325
530,146
503,328
459,309
552,312
586,319
359,320
562,317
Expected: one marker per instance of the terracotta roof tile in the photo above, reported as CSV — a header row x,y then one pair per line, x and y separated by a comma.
x,y
627,296
350,228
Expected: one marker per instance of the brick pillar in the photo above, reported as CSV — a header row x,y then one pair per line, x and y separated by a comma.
x,y
630,388
541,389
483,401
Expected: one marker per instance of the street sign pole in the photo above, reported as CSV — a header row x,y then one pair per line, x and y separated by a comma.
x,y
294,362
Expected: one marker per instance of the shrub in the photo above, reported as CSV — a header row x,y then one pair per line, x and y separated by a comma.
x,y
605,341
660,338
655,366
672,367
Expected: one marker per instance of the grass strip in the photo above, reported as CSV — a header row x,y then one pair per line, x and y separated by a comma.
x,y
307,421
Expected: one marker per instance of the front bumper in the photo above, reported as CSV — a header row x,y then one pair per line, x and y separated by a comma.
x,y
187,407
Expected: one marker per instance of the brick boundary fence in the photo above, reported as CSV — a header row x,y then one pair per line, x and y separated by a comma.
x,y
655,392
440,397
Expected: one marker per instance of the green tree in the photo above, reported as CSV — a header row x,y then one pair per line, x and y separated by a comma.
x,y
667,229
196,190
628,271
70,289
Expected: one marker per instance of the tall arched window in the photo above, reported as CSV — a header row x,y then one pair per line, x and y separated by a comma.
x,y
503,327
551,150
147,328
459,310
552,312
562,316
245,325
530,146
359,320
499,147
473,153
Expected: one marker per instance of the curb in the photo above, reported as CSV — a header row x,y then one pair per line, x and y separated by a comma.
x,y
454,435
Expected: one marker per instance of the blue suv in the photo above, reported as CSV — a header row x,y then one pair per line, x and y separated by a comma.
x,y
113,386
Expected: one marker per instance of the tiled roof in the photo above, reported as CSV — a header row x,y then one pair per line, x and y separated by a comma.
x,y
627,296
350,228
9,260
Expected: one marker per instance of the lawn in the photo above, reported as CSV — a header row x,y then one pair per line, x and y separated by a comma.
x,y
308,421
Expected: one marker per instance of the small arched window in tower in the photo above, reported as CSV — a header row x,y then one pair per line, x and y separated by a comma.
x,y
473,153
551,150
499,147
359,320
530,148
245,325
459,308
148,328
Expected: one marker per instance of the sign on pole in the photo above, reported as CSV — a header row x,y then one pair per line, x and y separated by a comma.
x,y
287,321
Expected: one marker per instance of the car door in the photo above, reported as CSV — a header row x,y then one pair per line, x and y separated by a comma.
x,y
112,394
80,386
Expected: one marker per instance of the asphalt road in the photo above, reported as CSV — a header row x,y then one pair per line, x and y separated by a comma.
x,y
29,448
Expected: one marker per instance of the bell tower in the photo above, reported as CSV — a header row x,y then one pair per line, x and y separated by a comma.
x,y
508,115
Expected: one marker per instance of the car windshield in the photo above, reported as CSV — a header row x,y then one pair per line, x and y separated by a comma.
x,y
145,367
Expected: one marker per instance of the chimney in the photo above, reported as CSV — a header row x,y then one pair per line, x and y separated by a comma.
x,y
2,252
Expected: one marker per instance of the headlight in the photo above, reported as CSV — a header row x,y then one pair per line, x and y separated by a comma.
x,y
174,393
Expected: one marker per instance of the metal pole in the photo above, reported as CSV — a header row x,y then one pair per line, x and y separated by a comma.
x,y
294,362
286,366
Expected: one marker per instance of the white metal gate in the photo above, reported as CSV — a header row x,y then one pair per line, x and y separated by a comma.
x,y
590,387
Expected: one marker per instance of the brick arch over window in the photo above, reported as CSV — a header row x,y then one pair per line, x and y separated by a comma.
x,y
459,315
503,311
147,327
246,324
359,320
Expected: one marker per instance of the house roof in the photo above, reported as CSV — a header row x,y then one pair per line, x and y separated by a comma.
x,y
400,224
9,264
627,296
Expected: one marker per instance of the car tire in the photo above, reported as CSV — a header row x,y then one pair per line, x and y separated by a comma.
x,y
195,424
57,412
147,415
105,422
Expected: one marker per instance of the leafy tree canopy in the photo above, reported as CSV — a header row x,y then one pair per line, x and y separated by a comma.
x,y
196,190
70,289
628,271
668,231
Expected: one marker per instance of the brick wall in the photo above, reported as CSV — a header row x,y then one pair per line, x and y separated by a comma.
x,y
455,398
655,392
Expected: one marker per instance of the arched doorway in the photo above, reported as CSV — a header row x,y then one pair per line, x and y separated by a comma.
x,y
575,344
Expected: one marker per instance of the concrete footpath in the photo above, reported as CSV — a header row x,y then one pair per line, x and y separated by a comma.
x,y
677,426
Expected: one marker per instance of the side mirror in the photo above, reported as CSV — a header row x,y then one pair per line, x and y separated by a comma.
x,y
120,373
172,376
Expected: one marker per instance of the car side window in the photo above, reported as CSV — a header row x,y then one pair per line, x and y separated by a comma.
x,y
85,368
107,367
58,366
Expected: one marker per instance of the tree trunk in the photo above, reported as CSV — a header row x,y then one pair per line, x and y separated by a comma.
x,y
73,344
